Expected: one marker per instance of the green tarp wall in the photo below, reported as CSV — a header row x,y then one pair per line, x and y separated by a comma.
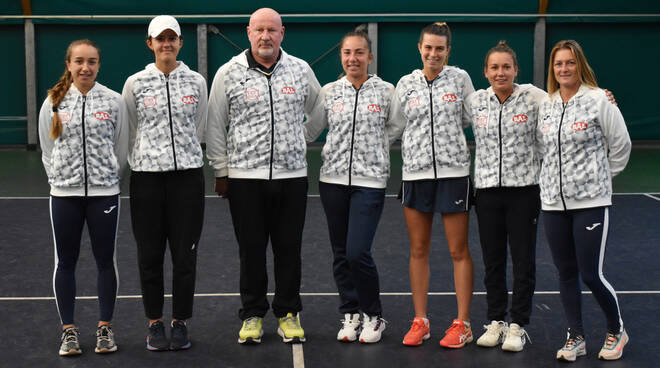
x,y
622,50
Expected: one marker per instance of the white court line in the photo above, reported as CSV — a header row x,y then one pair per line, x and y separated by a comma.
x,y
650,196
298,356
404,293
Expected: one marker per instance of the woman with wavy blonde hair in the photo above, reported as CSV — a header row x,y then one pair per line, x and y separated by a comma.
x,y
585,143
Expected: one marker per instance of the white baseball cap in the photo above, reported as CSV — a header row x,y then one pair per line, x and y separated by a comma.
x,y
161,23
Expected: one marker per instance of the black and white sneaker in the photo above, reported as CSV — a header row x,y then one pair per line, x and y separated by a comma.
x,y
350,327
156,339
105,340
180,339
69,344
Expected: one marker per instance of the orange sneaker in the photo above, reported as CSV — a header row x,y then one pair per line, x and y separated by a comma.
x,y
419,331
457,335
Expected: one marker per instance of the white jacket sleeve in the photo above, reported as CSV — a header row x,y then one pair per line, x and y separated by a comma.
x,y
131,116
47,143
313,96
616,135
216,125
318,119
202,110
121,137
396,122
468,90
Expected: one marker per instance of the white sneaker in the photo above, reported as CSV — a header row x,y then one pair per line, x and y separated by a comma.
x,y
372,329
515,339
494,334
350,327
573,348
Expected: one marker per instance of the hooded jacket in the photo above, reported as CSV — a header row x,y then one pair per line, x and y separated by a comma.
x,y
88,157
433,144
505,136
265,117
585,143
356,150
167,118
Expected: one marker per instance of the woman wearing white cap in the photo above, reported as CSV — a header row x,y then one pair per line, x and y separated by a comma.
x,y
166,105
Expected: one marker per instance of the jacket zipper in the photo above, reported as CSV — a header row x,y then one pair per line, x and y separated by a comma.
x,y
561,186
435,169
169,110
84,142
350,160
500,140
272,127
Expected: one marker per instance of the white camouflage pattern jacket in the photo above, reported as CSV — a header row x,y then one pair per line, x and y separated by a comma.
x,y
585,143
167,118
505,136
433,144
89,156
265,139
356,150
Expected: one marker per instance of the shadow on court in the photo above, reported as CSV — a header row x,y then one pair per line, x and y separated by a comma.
x,y
30,332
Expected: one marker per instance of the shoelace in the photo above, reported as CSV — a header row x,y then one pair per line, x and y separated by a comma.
x,y
417,325
251,323
290,322
455,326
520,332
376,325
610,340
70,335
570,343
104,334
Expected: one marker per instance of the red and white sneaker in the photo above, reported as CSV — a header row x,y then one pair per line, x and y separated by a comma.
x,y
457,335
419,331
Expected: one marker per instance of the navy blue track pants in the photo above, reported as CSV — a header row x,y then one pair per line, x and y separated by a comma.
x,y
68,216
353,214
577,240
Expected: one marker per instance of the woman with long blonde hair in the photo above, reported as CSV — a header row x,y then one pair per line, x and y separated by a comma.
x,y
585,143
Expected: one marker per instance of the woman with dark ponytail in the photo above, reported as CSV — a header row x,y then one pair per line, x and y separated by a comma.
x,y
84,139
428,108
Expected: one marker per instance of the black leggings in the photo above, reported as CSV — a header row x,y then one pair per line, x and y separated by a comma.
x,y
68,216
577,239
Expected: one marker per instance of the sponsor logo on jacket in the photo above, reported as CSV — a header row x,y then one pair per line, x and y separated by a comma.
x,y
188,100
288,90
579,125
101,115
520,118
414,102
252,94
546,128
374,108
338,107
449,97
65,117
150,101
482,121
